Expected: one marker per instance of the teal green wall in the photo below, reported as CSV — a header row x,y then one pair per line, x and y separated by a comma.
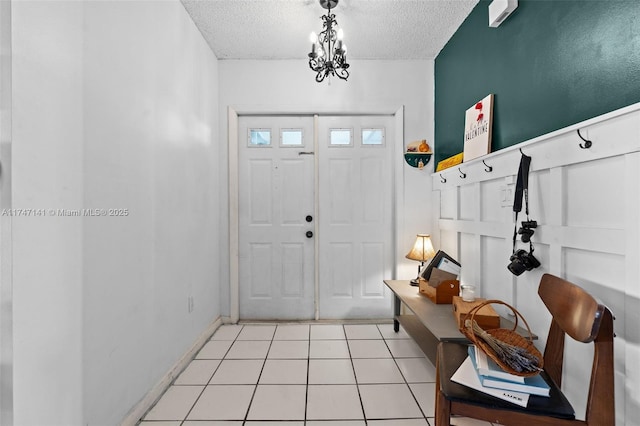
x,y
550,64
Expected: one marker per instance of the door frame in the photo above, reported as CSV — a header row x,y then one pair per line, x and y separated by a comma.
x,y
233,114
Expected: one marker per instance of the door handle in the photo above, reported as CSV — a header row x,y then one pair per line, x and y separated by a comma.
x,y
309,218
309,234
306,153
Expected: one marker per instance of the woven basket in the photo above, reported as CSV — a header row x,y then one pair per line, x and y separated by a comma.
x,y
505,335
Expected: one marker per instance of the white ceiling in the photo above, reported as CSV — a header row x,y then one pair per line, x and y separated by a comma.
x,y
373,29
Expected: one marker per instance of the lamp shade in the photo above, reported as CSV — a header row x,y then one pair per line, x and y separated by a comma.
x,y
422,249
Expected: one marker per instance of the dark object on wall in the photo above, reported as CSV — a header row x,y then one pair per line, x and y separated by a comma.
x,y
551,64
527,230
521,260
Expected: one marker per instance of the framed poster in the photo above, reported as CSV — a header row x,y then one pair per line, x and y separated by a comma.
x,y
478,121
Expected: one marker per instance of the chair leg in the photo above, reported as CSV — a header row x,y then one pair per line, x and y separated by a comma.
x,y
443,410
442,406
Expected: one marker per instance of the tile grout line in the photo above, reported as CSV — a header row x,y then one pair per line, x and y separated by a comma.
x,y
306,389
355,377
205,386
255,389
406,382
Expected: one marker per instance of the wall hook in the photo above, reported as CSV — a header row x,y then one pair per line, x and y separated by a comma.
x,y
443,180
462,175
489,168
587,143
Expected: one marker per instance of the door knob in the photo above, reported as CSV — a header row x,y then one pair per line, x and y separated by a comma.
x,y
309,218
309,234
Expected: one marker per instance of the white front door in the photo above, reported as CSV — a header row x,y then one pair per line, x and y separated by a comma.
x,y
278,180
356,215
276,218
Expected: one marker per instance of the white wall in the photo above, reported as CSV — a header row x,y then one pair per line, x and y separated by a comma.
x,y
115,107
289,86
47,152
586,204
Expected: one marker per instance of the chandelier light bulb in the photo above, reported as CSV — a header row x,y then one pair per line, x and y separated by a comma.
x,y
313,37
340,34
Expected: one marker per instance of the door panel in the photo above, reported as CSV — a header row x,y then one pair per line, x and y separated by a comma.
x,y
276,185
277,260
355,216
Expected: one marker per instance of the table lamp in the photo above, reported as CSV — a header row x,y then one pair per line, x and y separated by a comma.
x,y
422,251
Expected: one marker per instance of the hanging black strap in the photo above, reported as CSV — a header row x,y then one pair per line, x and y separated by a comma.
x,y
522,191
522,184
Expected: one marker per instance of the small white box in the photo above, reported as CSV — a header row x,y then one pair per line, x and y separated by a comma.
x,y
499,10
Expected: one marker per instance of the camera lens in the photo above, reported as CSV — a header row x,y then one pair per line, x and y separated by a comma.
x,y
531,262
516,267
526,234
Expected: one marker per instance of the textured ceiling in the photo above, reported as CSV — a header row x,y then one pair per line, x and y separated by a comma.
x,y
373,29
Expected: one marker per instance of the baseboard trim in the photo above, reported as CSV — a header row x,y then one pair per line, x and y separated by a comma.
x,y
145,404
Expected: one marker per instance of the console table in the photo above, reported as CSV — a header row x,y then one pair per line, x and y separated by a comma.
x,y
430,323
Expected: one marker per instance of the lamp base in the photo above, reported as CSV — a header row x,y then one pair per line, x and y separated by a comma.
x,y
415,282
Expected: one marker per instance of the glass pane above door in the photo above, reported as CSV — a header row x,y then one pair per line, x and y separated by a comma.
x,y
259,137
340,137
291,137
372,136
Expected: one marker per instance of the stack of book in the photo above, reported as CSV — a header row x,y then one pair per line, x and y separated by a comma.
x,y
481,373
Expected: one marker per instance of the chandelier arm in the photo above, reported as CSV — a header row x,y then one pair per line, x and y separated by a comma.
x,y
342,73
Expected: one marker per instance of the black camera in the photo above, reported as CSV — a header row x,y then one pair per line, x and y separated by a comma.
x,y
522,261
527,230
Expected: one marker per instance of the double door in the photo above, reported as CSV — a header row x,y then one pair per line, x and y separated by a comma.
x,y
316,224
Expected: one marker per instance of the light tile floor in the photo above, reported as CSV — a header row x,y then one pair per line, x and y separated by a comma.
x,y
303,375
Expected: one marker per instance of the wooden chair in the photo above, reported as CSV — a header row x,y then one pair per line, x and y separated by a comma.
x,y
575,313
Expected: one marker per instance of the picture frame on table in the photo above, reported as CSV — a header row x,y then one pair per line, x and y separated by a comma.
x,y
441,261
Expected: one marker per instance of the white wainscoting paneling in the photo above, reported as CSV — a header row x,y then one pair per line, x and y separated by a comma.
x,y
586,203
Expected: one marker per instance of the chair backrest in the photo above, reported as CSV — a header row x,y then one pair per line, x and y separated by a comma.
x,y
577,314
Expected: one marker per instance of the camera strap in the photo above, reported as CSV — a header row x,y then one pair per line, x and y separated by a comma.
x,y
522,191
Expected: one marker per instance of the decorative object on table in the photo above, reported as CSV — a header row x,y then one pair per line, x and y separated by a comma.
x,y
454,160
522,260
442,261
486,316
478,121
441,287
468,292
422,251
328,56
514,353
418,154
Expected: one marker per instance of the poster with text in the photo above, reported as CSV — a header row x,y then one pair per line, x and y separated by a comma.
x,y
478,121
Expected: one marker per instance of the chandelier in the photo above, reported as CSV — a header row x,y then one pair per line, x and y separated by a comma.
x,y
328,54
